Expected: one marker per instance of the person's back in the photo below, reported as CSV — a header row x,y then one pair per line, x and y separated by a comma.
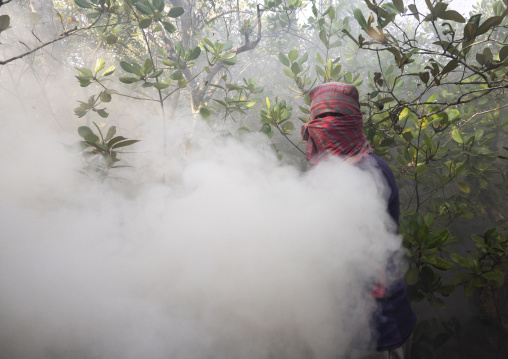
x,y
335,129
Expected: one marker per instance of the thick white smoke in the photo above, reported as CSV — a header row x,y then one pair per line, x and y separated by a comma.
x,y
232,255
239,257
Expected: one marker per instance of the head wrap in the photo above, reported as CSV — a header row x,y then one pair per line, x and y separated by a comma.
x,y
335,126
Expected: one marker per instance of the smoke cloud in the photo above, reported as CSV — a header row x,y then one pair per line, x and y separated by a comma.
x,y
239,257
212,250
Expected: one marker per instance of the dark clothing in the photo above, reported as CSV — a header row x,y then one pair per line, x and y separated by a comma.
x,y
335,128
394,318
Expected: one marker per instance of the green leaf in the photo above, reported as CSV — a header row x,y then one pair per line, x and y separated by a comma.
x,y
128,80
111,133
503,53
427,276
105,97
228,56
296,68
160,85
320,71
144,23
336,71
319,58
228,45
331,13
288,73
5,21
103,113
176,11
323,37
288,126
488,24
412,276
204,112
266,129
314,9
85,72
498,8
91,138
450,66
432,98
115,140
194,54
177,75
457,136
414,10
80,112
428,141
494,275
111,39
124,143
169,27
463,187
421,169
182,82
424,76
438,262
229,61
360,18
83,81
403,114
143,8
460,278
99,65
84,130
147,66
83,4
156,74
304,110
158,4
399,5
304,58
446,290
453,16
130,68
93,15
109,71
293,55
437,303
283,59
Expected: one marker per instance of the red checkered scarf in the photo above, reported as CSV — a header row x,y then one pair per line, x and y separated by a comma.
x,y
335,126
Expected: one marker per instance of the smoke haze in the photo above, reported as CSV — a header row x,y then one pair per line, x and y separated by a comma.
x,y
238,257
234,256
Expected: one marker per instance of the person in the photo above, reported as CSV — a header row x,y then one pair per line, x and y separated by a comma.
x,y
335,128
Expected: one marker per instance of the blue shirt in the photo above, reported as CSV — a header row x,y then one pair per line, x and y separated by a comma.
x,y
394,319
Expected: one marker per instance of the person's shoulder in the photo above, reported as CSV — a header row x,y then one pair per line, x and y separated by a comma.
x,y
381,164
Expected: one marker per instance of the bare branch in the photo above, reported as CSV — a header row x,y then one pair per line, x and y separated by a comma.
x,y
4,2
62,36
226,13
249,45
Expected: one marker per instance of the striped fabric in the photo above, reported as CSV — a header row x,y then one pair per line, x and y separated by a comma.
x,y
335,126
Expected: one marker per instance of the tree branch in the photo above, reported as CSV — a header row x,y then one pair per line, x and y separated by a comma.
x,y
63,36
4,2
249,45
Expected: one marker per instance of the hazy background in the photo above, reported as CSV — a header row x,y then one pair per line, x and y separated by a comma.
x,y
210,250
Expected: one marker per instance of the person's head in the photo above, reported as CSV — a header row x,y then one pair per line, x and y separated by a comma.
x,y
335,97
335,126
